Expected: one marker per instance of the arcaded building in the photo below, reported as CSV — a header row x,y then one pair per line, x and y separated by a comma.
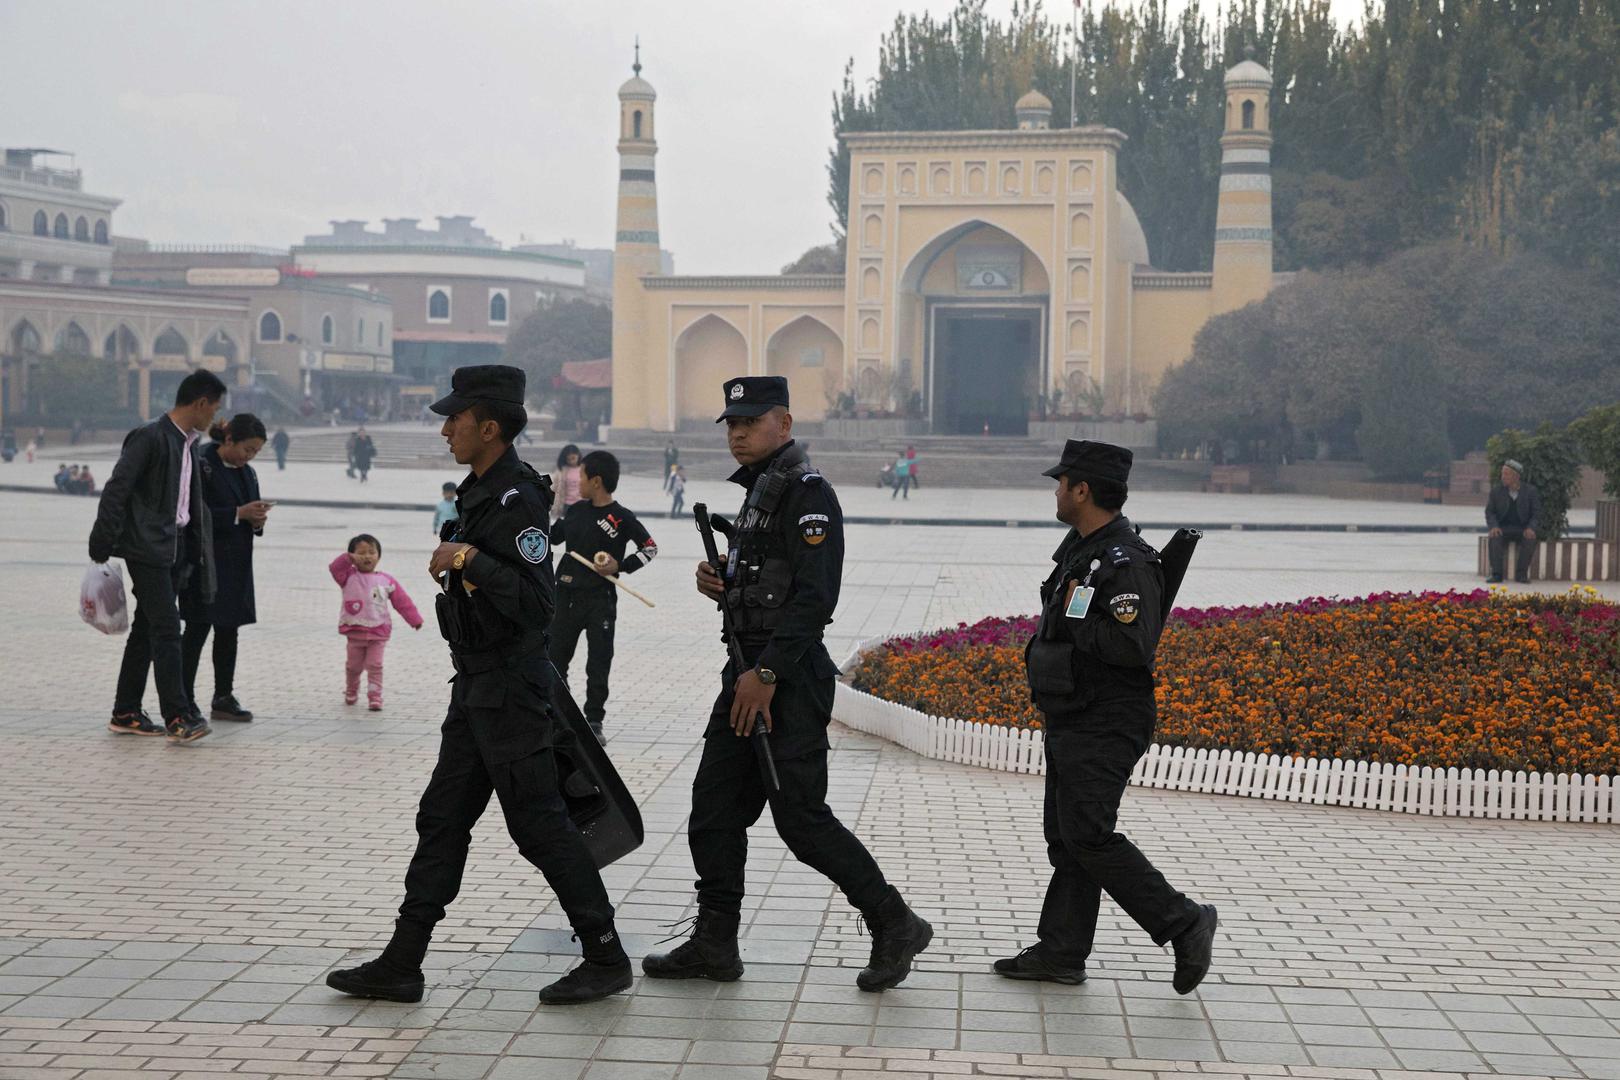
x,y
987,271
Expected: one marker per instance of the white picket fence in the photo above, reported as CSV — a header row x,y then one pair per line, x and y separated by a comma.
x,y
1399,788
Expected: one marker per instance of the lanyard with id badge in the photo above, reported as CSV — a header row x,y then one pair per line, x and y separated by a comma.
x,y
1080,602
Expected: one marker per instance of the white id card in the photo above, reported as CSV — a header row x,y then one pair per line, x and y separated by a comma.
x,y
1080,602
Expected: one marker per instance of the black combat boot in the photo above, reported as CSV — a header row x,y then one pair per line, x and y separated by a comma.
x,y
898,934
1035,964
1193,948
710,953
381,978
605,971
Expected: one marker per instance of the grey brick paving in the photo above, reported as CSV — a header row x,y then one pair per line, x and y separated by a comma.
x,y
1355,945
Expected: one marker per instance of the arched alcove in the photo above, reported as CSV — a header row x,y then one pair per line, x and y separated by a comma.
x,y
810,356
707,353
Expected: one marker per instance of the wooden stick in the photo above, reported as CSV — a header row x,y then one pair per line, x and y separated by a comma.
x,y
613,578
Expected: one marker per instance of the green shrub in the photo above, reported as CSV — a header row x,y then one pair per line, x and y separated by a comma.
x,y
1599,435
1552,462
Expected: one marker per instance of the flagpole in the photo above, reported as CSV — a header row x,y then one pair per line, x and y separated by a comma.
x,y
1074,60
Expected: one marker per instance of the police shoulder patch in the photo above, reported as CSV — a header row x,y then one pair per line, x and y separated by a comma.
x,y
811,478
813,527
531,544
1119,556
506,498
1125,606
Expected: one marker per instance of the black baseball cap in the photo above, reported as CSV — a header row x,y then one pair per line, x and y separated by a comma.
x,y
1086,460
754,395
482,382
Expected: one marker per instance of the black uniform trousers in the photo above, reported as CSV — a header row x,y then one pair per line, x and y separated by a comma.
x,y
1089,758
154,638
1496,548
593,611
730,791
536,816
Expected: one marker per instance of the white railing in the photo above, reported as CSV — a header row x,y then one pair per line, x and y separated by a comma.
x,y
1481,793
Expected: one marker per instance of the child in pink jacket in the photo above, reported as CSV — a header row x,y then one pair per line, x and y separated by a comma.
x,y
365,621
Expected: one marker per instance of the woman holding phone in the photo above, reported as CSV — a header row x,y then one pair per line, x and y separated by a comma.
x,y
231,492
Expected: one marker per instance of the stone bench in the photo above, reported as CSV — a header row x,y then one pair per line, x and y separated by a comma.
x,y
1569,559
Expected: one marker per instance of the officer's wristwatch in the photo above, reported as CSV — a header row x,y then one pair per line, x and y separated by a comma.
x,y
766,676
460,558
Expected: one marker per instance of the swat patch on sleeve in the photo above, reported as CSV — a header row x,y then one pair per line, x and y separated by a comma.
x,y
531,544
1125,606
813,527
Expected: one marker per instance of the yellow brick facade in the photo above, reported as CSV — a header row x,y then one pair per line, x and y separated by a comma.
x,y
986,272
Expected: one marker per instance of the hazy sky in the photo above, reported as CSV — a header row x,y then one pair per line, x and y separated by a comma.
x,y
226,121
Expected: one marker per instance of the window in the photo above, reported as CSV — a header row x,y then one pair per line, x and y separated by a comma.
x,y
360,332
1248,115
101,232
81,230
42,224
121,345
269,327
2,217
379,335
636,121
327,330
439,304
497,307
25,339
59,228
71,340
170,343
219,343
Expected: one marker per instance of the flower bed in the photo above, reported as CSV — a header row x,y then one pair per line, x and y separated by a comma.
x,y
1468,680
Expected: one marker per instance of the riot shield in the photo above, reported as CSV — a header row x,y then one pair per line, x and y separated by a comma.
x,y
598,802
1174,558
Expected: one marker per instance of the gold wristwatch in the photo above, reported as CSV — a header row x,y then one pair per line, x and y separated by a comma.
x,y
460,558
766,676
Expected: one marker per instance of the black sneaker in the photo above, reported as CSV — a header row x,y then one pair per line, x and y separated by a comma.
x,y
588,982
1494,579
133,723
226,708
376,979
1522,579
601,736
188,728
1034,965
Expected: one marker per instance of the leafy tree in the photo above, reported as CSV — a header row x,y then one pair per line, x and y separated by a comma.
x,y
1599,435
1403,415
1566,191
554,334
825,258
66,386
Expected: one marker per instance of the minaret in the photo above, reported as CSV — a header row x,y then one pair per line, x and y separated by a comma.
x,y
635,247
1243,214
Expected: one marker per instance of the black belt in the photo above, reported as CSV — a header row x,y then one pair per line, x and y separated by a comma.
x,y
476,663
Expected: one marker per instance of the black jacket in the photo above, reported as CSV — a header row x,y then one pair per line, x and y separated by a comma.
x,y
135,518
225,489
1500,504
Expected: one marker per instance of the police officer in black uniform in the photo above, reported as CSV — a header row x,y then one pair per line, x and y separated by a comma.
x,y
781,580
495,566
1090,668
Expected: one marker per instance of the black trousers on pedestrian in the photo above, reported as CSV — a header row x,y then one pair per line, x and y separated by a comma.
x,y
154,640
1089,759
281,459
1496,546
593,612
468,772
730,791
191,647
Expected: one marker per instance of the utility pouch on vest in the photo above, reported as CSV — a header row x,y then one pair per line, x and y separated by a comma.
x,y
452,620
1049,657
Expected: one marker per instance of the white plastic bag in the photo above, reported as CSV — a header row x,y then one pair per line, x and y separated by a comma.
x,y
102,602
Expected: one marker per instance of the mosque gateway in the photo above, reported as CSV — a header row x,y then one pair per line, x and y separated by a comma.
x,y
985,270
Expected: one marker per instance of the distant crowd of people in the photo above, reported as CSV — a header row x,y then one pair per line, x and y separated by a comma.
x,y
74,480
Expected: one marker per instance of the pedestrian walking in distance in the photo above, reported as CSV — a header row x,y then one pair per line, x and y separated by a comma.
x,y
780,578
494,565
1090,668
279,444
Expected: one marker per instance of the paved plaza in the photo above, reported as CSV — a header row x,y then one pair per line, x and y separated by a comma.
x,y
171,911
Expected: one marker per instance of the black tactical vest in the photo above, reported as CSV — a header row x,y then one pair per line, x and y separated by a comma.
x,y
759,572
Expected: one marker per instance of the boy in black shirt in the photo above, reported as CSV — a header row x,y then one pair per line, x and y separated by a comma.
x,y
599,529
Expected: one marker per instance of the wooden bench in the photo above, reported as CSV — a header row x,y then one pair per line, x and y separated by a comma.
x,y
1569,559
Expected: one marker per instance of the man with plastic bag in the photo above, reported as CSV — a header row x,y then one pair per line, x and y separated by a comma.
x,y
150,515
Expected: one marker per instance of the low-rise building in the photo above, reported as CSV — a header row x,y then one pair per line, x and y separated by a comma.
x,y
315,345
51,229
456,291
